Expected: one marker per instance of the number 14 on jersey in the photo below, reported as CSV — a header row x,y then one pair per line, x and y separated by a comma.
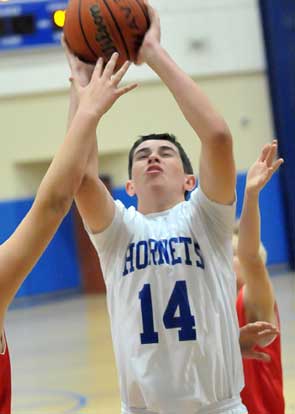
x,y
185,321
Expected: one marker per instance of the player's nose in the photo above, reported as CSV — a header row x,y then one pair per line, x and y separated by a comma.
x,y
154,157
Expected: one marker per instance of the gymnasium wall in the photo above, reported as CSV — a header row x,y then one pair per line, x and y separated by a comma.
x,y
33,113
58,268
32,127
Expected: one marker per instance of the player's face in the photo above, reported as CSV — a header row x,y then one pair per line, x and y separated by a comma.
x,y
157,164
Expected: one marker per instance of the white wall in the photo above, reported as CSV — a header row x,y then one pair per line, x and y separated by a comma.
x,y
33,126
228,65
243,101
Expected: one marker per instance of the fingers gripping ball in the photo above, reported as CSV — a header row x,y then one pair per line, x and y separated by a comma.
x,y
98,28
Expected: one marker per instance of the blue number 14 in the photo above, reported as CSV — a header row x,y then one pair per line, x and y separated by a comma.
x,y
178,300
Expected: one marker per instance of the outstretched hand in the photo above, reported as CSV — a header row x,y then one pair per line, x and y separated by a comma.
x,y
263,169
253,334
104,89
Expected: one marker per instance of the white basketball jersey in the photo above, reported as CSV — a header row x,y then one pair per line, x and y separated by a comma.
x,y
171,297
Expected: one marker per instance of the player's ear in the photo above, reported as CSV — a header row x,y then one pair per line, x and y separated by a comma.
x,y
189,182
129,187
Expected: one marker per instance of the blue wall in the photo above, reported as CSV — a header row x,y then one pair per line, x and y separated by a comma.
x,y
278,19
58,268
273,224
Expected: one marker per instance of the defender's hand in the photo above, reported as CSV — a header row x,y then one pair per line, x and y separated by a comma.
x,y
257,333
263,169
104,87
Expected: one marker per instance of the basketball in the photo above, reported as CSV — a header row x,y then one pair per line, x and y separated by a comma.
x,y
98,28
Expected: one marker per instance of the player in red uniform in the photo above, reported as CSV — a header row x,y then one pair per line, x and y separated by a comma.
x,y
54,198
263,392
5,377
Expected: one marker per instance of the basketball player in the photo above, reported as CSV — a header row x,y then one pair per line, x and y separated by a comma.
x,y
250,334
168,265
54,198
263,392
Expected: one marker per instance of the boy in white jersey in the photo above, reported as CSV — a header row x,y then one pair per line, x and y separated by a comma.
x,y
168,265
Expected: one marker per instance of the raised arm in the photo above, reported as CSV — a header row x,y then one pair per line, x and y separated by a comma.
x,y
259,299
61,182
94,202
217,168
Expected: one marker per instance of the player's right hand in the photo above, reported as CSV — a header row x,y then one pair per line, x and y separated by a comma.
x,y
152,37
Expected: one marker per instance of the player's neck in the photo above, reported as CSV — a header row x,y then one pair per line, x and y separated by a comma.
x,y
156,204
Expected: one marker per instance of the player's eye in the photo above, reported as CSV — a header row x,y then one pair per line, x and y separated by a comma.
x,y
141,156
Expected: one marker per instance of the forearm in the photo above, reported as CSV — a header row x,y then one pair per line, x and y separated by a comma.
x,y
217,168
258,293
89,180
68,167
92,163
249,232
194,104
94,202
73,105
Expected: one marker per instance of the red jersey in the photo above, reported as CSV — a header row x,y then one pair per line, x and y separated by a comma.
x,y
263,391
5,381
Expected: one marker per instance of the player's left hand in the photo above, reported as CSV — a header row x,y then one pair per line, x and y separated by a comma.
x,y
254,334
263,169
80,71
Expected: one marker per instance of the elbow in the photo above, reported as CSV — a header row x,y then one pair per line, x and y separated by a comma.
x,y
89,179
251,260
59,200
59,204
221,144
221,136
247,256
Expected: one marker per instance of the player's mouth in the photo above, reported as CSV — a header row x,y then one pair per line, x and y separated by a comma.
x,y
154,169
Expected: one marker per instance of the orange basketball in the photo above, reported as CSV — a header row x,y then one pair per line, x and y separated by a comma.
x,y
98,28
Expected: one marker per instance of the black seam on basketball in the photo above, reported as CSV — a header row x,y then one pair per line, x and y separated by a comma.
x,y
144,12
118,28
83,33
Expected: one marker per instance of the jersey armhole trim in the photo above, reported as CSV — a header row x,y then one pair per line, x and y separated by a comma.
x,y
3,344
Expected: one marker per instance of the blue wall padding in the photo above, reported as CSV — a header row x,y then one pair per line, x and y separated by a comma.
x,y
273,225
279,35
58,268
119,193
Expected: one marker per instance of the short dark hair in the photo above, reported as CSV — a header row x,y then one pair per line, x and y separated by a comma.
x,y
187,166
